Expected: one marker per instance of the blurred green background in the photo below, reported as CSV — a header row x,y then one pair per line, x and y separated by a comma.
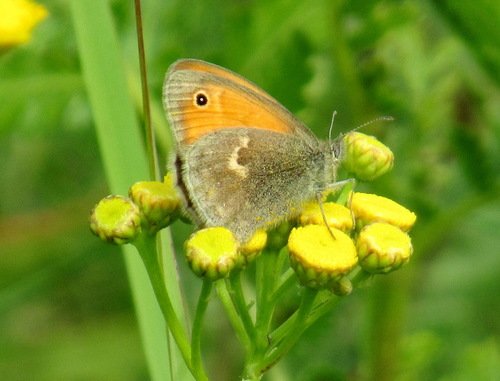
x,y
65,308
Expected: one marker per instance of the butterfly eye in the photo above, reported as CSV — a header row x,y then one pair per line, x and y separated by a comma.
x,y
201,99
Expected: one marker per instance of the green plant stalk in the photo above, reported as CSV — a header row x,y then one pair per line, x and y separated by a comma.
x,y
236,292
146,245
196,360
265,271
280,263
276,352
386,314
150,138
233,316
162,132
285,282
123,156
323,304
280,332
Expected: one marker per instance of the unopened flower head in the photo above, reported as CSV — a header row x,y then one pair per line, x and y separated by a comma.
x,y
277,237
368,208
366,157
253,247
342,287
318,259
383,248
116,219
337,216
158,201
212,252
17,19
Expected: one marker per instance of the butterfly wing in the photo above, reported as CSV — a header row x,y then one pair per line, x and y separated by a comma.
x,y
200,98
245,179
243,161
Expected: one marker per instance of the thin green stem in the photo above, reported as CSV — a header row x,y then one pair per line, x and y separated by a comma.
x,y
326,300
280,332
196,360
146,245
295,330
232,313
323,304
236,292
280,262
150,139
266,270
285,282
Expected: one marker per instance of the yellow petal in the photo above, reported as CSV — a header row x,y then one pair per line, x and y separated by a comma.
x,y
17,19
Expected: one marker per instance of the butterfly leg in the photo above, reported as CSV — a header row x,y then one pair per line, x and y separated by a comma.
x,y
348,185
320,203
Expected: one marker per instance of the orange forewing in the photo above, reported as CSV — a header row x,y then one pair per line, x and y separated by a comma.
x,y
233,102
204,67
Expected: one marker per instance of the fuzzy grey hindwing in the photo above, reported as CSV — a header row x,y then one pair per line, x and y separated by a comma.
x,y
245,179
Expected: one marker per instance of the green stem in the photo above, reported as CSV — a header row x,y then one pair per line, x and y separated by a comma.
x,y
284,284
280,332
324,302
201,308
266,270
280,262
295,330
265,280
150,140
385,318
146,246
240,303
232,314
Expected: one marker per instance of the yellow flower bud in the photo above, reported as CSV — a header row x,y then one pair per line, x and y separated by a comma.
x,y
383,248
278,236
366,157
158,201
318,259
212,252
252,248
337,216
342,287
368,208
17,19
116,219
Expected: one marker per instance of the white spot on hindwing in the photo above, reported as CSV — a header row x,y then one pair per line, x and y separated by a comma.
x,y
232,164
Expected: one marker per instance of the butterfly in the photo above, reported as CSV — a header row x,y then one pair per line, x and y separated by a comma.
x,y
242,160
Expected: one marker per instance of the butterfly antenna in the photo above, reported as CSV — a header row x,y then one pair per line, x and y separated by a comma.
x,y
380,118
330,131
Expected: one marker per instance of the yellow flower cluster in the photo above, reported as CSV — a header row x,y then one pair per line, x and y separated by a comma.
x,y
214,252
370,235
151,206
322,256
379,243
17,19
332,242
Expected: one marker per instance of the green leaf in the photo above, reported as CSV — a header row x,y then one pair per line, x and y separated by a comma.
x,y
124,160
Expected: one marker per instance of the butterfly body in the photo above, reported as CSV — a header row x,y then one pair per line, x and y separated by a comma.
x,y
242,160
